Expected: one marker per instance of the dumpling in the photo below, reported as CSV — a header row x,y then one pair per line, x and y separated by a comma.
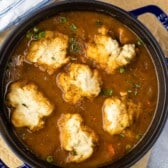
x,y
107,53
29,104
49,53
118,114
79,82
76,138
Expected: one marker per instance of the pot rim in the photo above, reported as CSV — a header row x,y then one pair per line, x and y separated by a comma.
x,y
153,132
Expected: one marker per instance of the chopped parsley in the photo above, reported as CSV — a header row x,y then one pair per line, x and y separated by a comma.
x,y
62,19
129,91
23,104
73,27
35,34
53,58
134,89
106,92
122,70
73,58
74,46
122,135
138,136
35,29
49,159
41,34
135,92
140,42
29,35
128,147
137,85
74,153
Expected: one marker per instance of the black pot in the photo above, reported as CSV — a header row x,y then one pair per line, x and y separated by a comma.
x,y
157,57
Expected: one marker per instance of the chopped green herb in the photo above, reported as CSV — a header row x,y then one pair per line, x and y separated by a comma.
x,y
122,70
53,58
63,19
129,91
140,42
122,135
106,92
135,92
41,34
138,136
35,34
127,59
24,105
35,29
74,153
137,85
29,35
99,23
73,58
128,147
49,159
73,27
72,40
74,46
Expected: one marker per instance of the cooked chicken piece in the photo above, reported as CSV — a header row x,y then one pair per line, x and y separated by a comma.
x,y
80,81
30,105
107,52
49,53
118,114
76,138
125,36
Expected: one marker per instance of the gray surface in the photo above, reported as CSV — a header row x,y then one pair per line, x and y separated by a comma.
x,y
159,154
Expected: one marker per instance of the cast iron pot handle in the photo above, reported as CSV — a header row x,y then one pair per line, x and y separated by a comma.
x,y
155,10
159,13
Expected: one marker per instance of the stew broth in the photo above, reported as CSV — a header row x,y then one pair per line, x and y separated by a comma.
x,y
137,80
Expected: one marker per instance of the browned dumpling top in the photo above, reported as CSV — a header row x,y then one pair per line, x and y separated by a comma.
x,y
79,82
50,52
118,114
76,138
30,105
107,52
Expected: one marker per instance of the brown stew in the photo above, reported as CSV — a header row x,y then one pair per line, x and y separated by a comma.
x,y
137,80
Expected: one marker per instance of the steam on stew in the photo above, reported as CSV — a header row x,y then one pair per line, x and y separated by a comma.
x,y
81,89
